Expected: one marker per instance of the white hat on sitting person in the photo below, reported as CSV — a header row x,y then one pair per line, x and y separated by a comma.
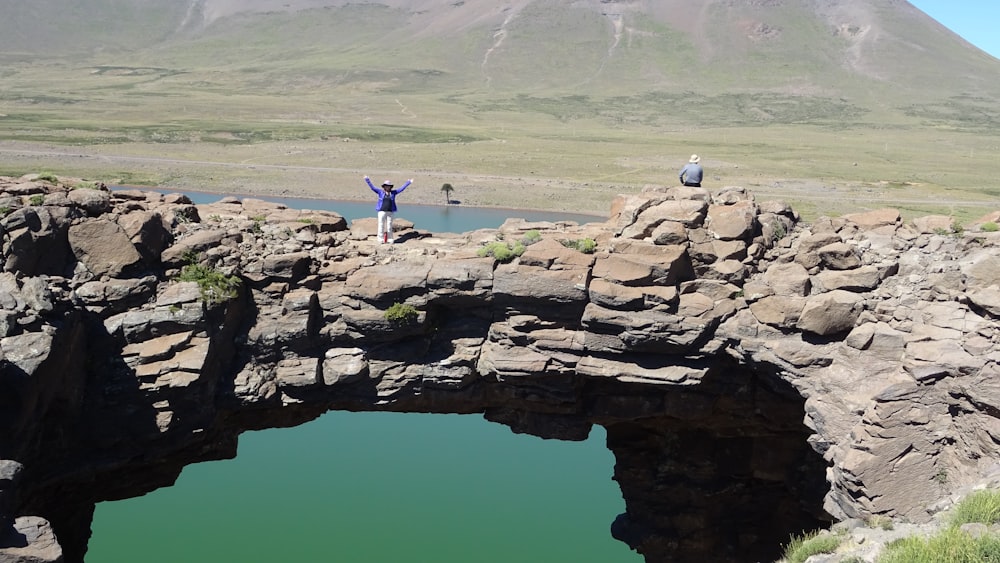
x,y
695,159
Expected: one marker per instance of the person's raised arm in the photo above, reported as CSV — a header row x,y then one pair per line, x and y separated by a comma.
x,y
370,184
406,185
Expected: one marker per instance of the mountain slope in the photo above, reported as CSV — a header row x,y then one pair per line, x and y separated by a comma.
x,y
599,47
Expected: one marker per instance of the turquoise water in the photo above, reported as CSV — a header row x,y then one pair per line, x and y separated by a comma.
x,y
436,218
381,487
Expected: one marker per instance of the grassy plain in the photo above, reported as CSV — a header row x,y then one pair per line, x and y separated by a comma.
x,y
241,132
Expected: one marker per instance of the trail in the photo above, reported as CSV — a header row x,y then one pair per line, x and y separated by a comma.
x,y
404,110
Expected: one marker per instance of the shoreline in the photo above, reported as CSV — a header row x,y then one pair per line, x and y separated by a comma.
x,y
345,200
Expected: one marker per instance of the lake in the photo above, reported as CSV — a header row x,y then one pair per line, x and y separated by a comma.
x,y
381,487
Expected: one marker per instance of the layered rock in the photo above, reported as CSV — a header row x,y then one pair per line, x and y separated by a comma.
x,y
756,377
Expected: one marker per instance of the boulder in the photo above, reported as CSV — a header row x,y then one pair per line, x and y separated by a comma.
x,y
102,246
831,313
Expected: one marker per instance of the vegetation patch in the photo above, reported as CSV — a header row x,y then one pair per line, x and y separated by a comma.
x,y
584,245
531,237
215,286
805,546
401,314
502,251
954,545
951,546
981,506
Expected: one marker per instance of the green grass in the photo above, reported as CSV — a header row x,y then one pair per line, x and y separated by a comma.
x,y
980,506
802,547
334,103
950,546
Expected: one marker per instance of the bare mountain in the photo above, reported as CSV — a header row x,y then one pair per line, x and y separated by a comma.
x,y
864,50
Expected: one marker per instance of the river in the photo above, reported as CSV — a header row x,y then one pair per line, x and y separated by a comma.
x,y
381,487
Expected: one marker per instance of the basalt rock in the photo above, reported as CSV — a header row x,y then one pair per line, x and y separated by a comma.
x,y
756,377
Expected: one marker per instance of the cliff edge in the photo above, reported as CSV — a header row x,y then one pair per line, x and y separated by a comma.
x,y
757,376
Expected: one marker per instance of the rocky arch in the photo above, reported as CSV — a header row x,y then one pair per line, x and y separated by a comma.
x,y
755,376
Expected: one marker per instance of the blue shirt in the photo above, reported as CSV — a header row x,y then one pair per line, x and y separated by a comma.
x,y
691,173
382,194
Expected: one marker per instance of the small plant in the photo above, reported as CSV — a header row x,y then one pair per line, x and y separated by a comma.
x,y
401,314
805,546
584,245
4,211
941,476
502,251
307,220
531,237
37,199
880,521
46,177
989,227
957,228
779,231
941,231
215,286
259,218
215,218
258,222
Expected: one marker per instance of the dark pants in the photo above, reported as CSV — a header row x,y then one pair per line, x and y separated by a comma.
x,y
693,184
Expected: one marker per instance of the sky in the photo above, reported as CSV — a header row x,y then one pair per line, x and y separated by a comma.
x,y
974,20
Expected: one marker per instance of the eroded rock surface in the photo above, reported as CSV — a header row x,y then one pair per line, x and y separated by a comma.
x,y
757,377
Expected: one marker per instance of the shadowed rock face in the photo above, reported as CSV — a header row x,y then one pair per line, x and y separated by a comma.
x,y
756,377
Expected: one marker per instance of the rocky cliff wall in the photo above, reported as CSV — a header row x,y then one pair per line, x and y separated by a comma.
x,y
757,377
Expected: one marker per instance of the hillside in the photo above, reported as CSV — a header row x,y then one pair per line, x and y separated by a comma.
x,y
576,87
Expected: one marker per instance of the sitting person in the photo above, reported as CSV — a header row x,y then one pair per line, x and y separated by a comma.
x,y
692,172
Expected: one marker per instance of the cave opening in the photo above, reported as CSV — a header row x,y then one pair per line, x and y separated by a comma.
x,y
726,473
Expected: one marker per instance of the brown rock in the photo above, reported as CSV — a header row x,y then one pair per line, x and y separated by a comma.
x,y
102,246
729,222
830,313
874,219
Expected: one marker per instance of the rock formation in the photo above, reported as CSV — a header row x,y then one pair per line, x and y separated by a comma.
x,y
756,376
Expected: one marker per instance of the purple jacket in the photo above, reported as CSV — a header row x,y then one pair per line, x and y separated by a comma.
x,y
382,193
